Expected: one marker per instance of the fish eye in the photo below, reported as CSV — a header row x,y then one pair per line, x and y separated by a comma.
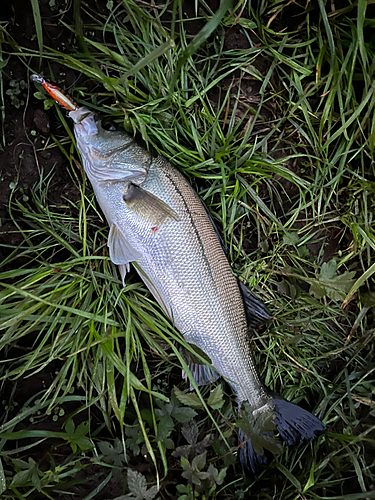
x,y
109,124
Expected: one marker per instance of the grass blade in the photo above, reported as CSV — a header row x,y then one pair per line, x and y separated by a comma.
x,y
38,26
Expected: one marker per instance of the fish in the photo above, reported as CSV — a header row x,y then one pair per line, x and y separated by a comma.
x,y
158,223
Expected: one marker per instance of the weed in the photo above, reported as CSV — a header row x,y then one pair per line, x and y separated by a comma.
x,y
14,92
138,488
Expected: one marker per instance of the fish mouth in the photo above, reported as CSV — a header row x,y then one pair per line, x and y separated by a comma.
x,y
84,118
78,115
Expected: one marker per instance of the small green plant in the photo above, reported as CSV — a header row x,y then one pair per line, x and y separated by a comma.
x,y
164,414
193,462
201,482
137,486
331,284
47,102
113,454
134,437
15,91
77,436
194,448
28,474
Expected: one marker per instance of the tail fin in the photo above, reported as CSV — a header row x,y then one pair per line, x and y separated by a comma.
x,y
294,424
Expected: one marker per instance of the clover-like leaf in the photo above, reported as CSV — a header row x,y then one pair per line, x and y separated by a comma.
x,y
192,471
187,492
194,448
291,238
329,283
76,437
29,474
214,476
199,461
113,453
260,430
134,437
328,270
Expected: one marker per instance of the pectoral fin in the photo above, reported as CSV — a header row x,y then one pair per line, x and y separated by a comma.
x,y
123,268
120,250
148,206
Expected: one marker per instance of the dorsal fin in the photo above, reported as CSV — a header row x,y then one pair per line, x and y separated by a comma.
x,y
256,311
221,241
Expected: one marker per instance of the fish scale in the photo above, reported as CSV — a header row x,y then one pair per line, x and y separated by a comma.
x,y
158,223
164,229
196,285
183,263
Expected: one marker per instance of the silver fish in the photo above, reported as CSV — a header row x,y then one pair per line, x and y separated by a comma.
x,y
159,223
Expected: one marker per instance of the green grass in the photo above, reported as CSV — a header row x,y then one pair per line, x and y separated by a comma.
x,y
288,173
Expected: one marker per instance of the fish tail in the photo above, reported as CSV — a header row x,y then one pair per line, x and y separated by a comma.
x,y
293,424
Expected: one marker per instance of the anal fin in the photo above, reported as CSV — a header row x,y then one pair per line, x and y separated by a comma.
x,y
202,373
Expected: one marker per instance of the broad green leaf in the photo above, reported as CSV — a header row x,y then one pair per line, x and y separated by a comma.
x,y
199,461
291,238
135,438
216,398
188,399
137,484
334,285
165,427
328,270
113,453
184,414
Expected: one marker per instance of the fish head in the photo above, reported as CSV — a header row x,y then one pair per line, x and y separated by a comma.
x,y
107,155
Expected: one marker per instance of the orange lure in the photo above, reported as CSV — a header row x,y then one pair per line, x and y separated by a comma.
x,y
58,94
